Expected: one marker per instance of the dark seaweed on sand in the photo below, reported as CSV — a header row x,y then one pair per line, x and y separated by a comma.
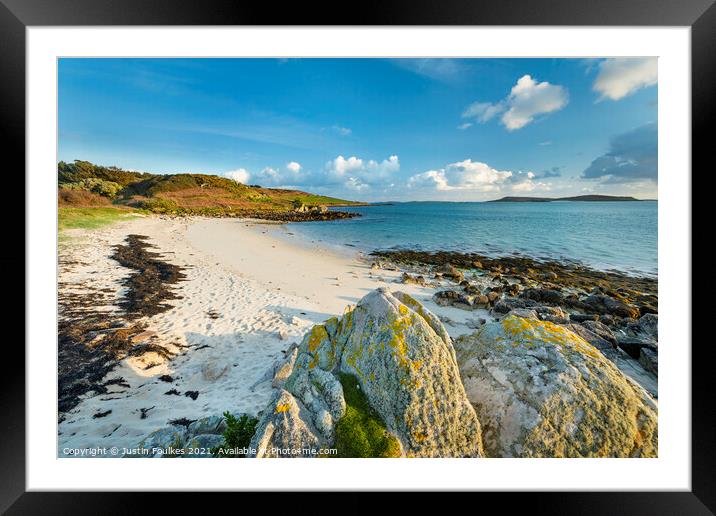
x,y
150,285
92,340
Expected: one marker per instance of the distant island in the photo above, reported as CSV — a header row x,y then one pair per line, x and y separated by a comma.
x,y
599,198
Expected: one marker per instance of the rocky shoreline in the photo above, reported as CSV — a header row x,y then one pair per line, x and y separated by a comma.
x,y
269,215
615,312
542,359
517,387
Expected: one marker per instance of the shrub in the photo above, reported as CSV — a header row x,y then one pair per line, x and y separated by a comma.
x,y
79,170
360,432
95,185
237,435
77,197
158,205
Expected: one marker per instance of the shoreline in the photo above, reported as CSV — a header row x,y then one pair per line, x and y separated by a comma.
x,y
252,288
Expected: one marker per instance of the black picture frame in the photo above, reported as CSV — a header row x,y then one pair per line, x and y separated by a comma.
x,y
16,15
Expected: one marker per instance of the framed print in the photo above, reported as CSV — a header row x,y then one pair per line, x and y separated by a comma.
x,y
423,251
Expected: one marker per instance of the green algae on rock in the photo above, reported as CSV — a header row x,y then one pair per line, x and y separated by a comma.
x,y
540,390
360,432
405,366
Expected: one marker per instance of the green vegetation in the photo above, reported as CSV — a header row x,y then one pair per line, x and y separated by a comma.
x,y
237,435
108,189
159,184
315,200
91,218
158,205
75,172
83,184
360,432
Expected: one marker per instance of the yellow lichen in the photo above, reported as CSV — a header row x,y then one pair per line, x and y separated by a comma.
x,y
420,436
318,333
530,332
283,407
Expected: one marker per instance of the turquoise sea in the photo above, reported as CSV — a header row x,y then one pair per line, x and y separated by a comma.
x,y
603,235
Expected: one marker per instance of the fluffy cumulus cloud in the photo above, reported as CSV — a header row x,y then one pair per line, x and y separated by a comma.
x,y
290,174
632,156
358,174
527,100
240,175
620,77
351,174
294,167
268,176
473,176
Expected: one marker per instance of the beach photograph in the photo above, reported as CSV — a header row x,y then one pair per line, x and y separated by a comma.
x,y
357,258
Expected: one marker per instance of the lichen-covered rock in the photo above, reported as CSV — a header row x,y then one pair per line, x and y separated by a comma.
x,y
283,371
540,390
405,365
285,429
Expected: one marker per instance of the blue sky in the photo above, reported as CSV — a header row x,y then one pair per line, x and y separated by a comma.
x,y
372,129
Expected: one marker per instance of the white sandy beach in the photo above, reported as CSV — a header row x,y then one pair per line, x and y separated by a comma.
x,y
266,285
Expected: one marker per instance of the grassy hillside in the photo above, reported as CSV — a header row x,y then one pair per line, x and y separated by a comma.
x,y
92,217
83,184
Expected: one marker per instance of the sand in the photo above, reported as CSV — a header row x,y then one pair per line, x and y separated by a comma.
x,y
252,289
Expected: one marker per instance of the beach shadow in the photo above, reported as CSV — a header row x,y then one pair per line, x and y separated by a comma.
x,y
310,315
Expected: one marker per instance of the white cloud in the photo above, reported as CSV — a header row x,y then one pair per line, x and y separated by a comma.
x,y
466,125
483,111
474,176
357,173
340,166
431,179
240,175
269,176
527,100
441,69
294,167
463,175
353,183
352,174
622,76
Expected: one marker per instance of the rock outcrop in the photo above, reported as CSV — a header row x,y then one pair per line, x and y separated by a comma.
x,y
405,366
540,390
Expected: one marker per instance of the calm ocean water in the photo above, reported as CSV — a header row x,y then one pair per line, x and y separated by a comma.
x,y
604,235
